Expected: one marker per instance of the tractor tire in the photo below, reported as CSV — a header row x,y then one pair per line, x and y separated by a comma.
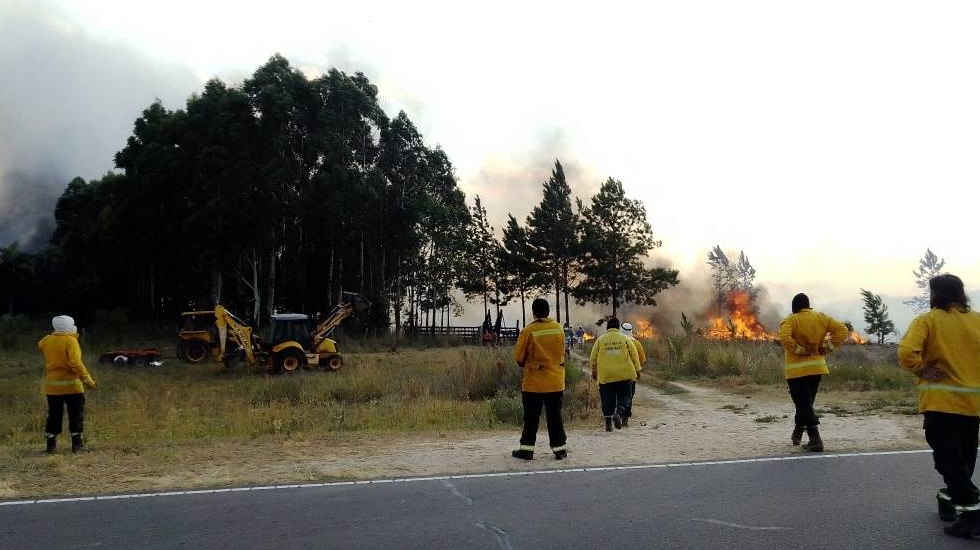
x,y
194,351
288,361
332,362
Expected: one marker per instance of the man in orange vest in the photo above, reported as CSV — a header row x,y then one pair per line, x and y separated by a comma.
x,y
540,352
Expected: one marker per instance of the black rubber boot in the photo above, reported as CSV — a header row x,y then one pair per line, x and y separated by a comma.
x,y
609,423
561,455
966,526
797,436
618,418
522,454
50,444
947,512
815,444
77,444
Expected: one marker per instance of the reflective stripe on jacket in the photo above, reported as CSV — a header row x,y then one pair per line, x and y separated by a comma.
x,y
949,340
64,371
807,329
540,350
614,357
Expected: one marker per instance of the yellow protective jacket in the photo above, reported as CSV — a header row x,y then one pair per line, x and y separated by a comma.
x,y
641,354
802,336
64,372
540,351
614,357
950,340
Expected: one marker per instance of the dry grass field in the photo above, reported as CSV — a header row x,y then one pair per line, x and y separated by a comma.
x,y
422,410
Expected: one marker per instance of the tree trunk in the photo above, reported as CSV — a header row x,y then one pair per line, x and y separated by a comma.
x,y
496,299
615,300
568,317
329,295
256,292
270,287
558,300
217,281
361,284
340,281
397,307
523,309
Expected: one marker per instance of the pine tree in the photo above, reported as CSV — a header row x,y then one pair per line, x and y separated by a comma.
x,y
521,276
929,266
616,239
484,272
553,234
876,315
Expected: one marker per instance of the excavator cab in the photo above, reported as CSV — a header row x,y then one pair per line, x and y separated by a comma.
x,y
197,336
297,344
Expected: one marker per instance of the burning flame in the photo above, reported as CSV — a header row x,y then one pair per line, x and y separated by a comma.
x,y
644,330
588,336
856,338
741,323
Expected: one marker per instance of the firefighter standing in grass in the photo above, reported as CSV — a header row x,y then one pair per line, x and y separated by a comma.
x,y
942,348
803,336
65,378
540,352
614,364
642,357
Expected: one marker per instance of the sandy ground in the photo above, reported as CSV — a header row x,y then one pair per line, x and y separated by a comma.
x,y
701,424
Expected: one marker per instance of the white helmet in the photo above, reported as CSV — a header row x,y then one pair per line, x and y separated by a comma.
x,y
64,323
628,328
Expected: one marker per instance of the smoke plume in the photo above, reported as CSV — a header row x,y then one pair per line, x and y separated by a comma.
x,y
67,104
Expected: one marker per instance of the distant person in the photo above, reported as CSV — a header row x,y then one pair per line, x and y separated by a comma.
x,y
614,364
803,336
540,352
580,335
569,338
642,357
942,348
486,331
65,378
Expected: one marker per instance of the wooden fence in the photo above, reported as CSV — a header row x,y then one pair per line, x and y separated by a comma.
x,y
470,335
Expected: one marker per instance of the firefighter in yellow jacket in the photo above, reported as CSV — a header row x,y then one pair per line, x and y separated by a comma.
x,y
614,364
540,352
942,348
803,336
65,378
641,355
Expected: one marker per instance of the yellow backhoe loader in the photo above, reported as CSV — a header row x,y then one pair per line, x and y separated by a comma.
x,y
292,345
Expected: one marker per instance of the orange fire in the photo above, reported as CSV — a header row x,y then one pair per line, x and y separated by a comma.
x,y
644,329
588,336
741,323
856,338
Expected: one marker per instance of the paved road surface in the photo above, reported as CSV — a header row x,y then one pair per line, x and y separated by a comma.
x,y
866,502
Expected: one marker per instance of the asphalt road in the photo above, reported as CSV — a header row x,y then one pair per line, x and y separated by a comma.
x,y
864,502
